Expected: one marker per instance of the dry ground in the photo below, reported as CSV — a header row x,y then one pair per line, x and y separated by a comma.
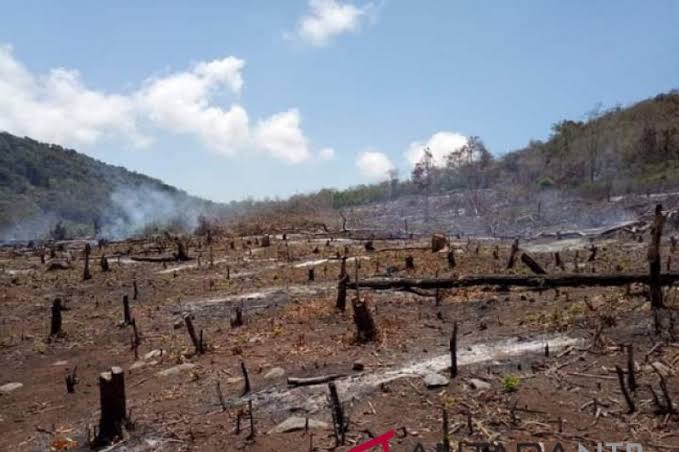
x,y
570,396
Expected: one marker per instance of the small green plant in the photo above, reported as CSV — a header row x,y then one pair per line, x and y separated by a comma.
x,y
511,383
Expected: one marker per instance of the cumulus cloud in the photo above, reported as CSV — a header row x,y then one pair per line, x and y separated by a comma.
x,y
183,102
59,108
440,144
326,154
327,19
374,165
282,137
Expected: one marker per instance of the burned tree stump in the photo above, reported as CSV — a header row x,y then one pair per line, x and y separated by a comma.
x,y
181,254
198,343
369,246
532,264
135,290
410,262
311,275
453,352
266,241
246,379
103,263
127,317
341,302
71,381
438,242
113,406
366,330
338,422
512,254
558,262
238,318
451,259
592,253
654,258
55,325
86,271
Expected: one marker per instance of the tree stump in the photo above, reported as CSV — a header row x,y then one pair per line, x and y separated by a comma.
x,y
366,330
113,406
410,262
451,259
369,246
266,241
103,263
127,317
341,302
55,325
438,242
311,275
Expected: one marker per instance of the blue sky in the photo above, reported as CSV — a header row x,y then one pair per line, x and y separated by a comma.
x,y
229,99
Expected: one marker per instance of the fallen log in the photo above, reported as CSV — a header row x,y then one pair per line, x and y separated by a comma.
x,y
157,259
542,281
298,381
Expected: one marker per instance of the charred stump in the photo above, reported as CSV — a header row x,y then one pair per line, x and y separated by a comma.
x,y
410,262
366,330
55,325
127,317
438,242
103,263
451,259
113,406
197,342
512,254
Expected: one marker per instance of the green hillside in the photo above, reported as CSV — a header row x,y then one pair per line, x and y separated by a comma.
x,y
43,184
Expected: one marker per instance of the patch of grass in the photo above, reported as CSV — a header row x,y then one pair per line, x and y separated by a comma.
x,y
511,383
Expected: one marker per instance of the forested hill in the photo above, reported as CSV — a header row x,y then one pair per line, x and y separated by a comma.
x,y
43,186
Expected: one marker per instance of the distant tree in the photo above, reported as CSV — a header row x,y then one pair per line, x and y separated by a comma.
x,y
423,177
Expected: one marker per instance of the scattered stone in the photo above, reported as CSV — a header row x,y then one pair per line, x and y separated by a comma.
x,y
157,353
295,423
434,380
176,370
275,373
137,365
9,387
476,383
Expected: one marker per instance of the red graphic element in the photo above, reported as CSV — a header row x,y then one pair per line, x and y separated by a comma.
x,y
382,440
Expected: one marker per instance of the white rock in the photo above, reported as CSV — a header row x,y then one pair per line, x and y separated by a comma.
x,y
176,370
295,423
137,365
9,387
477,383
434,380
274,373
153,354
60,363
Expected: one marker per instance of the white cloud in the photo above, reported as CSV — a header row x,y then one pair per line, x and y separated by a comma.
x,y
374,165
440,144
327,19
326,154
182,102
59,108
282,137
